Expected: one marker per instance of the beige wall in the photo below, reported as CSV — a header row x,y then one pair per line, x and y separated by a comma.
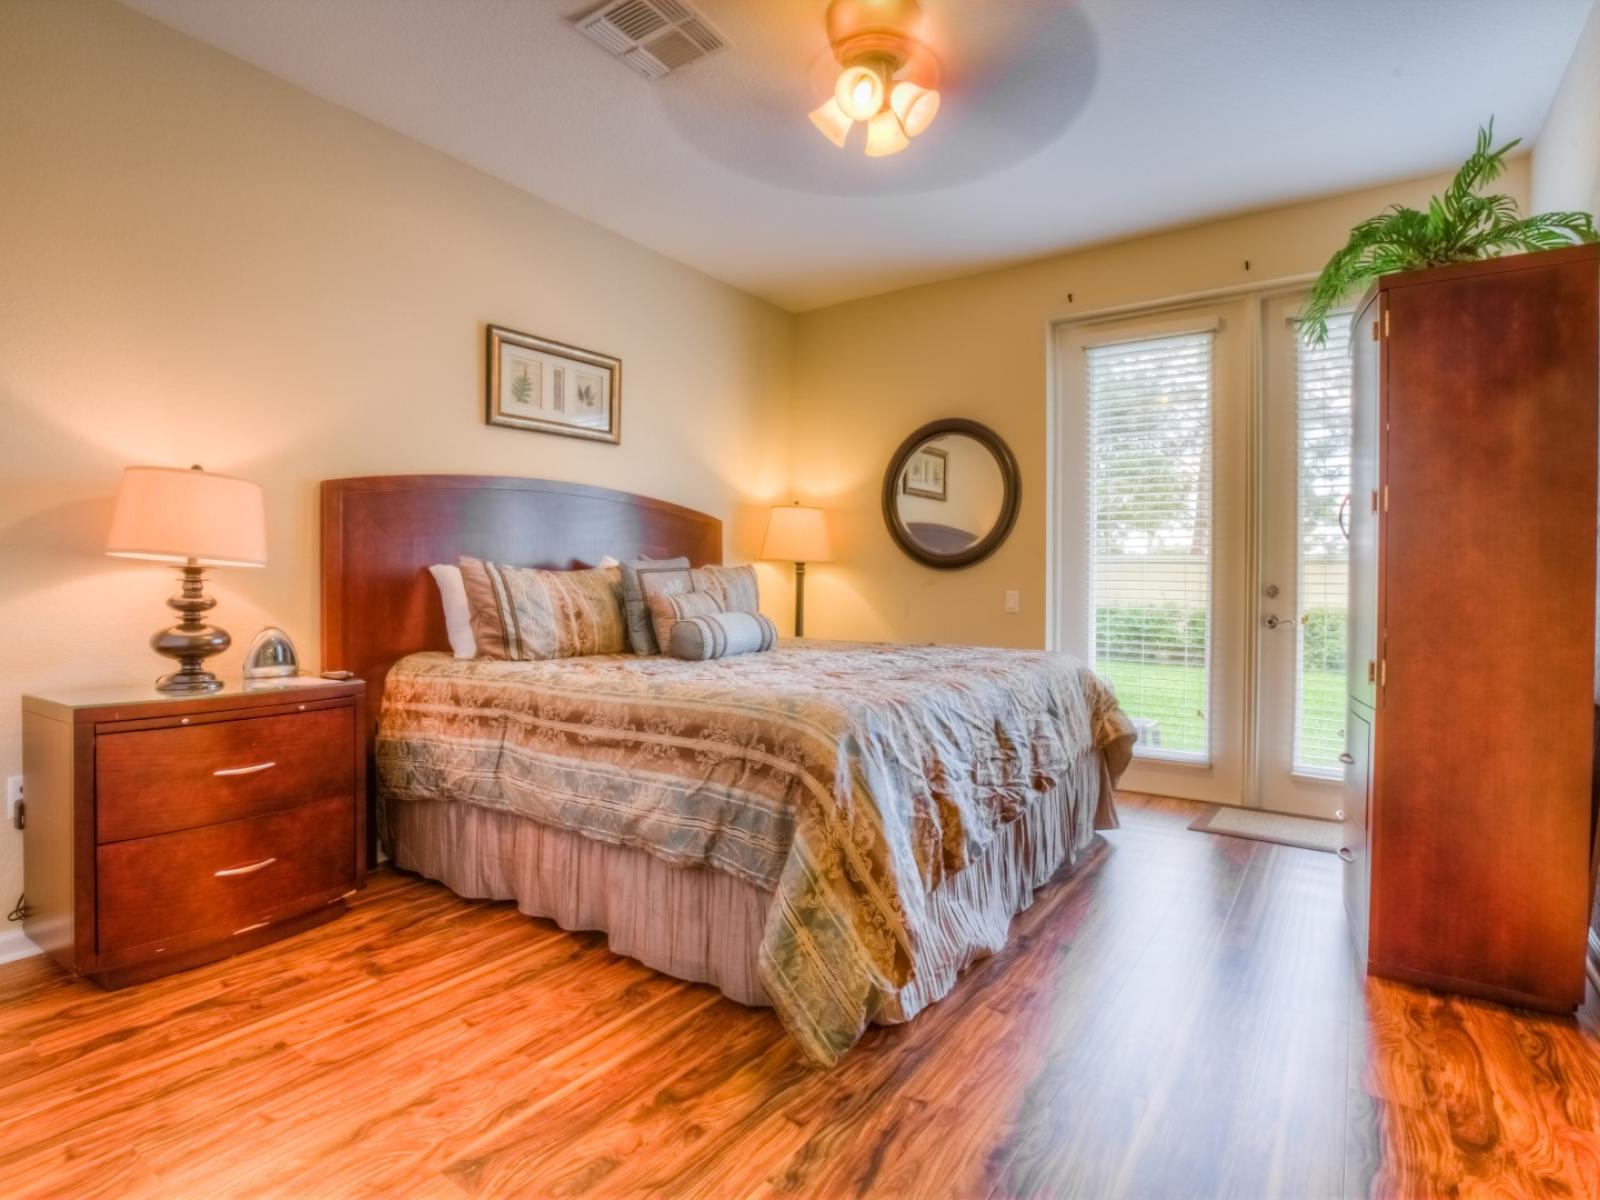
x,y
979,347
200,263
1566,158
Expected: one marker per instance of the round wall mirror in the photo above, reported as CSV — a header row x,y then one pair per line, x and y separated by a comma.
x,y
951,493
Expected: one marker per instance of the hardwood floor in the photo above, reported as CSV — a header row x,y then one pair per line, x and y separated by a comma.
x,y
1179,1017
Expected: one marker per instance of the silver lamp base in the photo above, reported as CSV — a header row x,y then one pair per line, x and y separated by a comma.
x,y
191,641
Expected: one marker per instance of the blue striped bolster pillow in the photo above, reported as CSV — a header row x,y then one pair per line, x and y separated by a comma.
x,y
717,635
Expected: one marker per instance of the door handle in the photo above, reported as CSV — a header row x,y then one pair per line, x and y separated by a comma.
x,y
1344,508
1347,758
1274,621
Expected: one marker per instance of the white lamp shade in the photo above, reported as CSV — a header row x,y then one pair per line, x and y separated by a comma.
x,y
831,119
796,533
885,136
173,515
916,106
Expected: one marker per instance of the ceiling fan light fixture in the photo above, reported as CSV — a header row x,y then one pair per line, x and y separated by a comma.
x,y
885,135
915,105
833,122
859,91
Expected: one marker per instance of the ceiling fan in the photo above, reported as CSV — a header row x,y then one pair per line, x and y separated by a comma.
x,y
888,77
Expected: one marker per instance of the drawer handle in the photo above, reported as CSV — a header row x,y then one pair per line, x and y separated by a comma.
x,y
253,867
252,769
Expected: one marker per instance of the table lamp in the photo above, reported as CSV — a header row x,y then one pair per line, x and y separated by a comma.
x,y
197,520
799,535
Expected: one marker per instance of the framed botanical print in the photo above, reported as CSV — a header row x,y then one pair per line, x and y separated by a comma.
x,y
550,387
926,472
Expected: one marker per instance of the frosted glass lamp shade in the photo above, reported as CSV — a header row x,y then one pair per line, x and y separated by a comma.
x,y
885,135
859,91
916,106
831,119
172,515
796,533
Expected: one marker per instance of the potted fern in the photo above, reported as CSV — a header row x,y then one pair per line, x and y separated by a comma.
x,y
1459,226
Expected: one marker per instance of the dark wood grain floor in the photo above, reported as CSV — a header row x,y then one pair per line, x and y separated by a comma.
x,y
1177,1018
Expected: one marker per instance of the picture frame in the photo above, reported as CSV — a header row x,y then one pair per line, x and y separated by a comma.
x,y
927,474
551,387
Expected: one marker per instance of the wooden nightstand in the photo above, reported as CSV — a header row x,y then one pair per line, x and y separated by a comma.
x,y
163,832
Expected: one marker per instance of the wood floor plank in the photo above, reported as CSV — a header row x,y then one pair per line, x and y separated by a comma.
x,y
1092,1132
1178,1016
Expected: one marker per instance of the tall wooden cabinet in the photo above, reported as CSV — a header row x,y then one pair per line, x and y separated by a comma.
x,y
1469,813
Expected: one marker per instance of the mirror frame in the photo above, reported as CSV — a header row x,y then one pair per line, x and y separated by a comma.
x,y
1010,503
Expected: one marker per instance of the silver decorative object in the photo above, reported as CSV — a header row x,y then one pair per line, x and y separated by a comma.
x,y
271,655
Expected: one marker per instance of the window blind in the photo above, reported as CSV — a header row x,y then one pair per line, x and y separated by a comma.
x,y
1322,419
1150,536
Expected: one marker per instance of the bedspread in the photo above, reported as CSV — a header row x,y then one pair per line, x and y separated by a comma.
x,y
847,779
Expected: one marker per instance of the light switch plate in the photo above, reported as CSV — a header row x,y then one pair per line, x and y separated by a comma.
x,y
1013,600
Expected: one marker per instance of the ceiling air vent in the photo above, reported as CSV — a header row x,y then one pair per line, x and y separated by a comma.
x,y
654,37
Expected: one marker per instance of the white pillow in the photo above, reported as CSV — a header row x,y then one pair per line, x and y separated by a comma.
x,y
607,561
457,616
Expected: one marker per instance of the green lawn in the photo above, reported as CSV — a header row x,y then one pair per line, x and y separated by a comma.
x,y
1173,695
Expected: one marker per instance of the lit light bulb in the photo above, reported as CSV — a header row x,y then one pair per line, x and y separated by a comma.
x,y
831,119
916,106
859,91
885,135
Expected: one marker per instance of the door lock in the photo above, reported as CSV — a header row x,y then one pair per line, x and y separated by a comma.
x,y
1271,591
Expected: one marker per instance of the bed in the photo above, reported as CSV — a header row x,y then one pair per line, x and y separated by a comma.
x,y
836,830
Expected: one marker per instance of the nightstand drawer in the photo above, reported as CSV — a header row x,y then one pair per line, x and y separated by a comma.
x,y
157,781
156,888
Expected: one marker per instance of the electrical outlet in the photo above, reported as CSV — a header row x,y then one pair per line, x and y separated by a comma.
x,y
1013,600
14,809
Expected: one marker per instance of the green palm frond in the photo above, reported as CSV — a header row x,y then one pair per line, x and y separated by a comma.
x,y
1460,225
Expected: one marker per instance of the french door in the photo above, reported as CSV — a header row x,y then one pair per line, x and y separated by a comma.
x,y
1201,464
1303,584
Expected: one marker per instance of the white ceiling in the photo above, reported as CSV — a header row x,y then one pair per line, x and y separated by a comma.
x,y
1065,122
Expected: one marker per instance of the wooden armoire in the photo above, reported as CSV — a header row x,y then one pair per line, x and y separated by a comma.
x,y
1469,812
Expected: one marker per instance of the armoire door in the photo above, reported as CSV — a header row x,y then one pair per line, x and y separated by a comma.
x,y
1366,503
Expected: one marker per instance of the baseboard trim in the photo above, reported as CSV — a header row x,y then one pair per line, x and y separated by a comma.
x,y
15,944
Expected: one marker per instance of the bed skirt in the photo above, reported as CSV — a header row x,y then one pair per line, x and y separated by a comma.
x,y
702,925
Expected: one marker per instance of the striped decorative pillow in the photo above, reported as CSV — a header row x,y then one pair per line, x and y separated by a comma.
x,y
523,613
732,588
699,628
635,604
718,635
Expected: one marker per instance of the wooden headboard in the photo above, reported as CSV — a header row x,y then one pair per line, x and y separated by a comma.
x,y
382,532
